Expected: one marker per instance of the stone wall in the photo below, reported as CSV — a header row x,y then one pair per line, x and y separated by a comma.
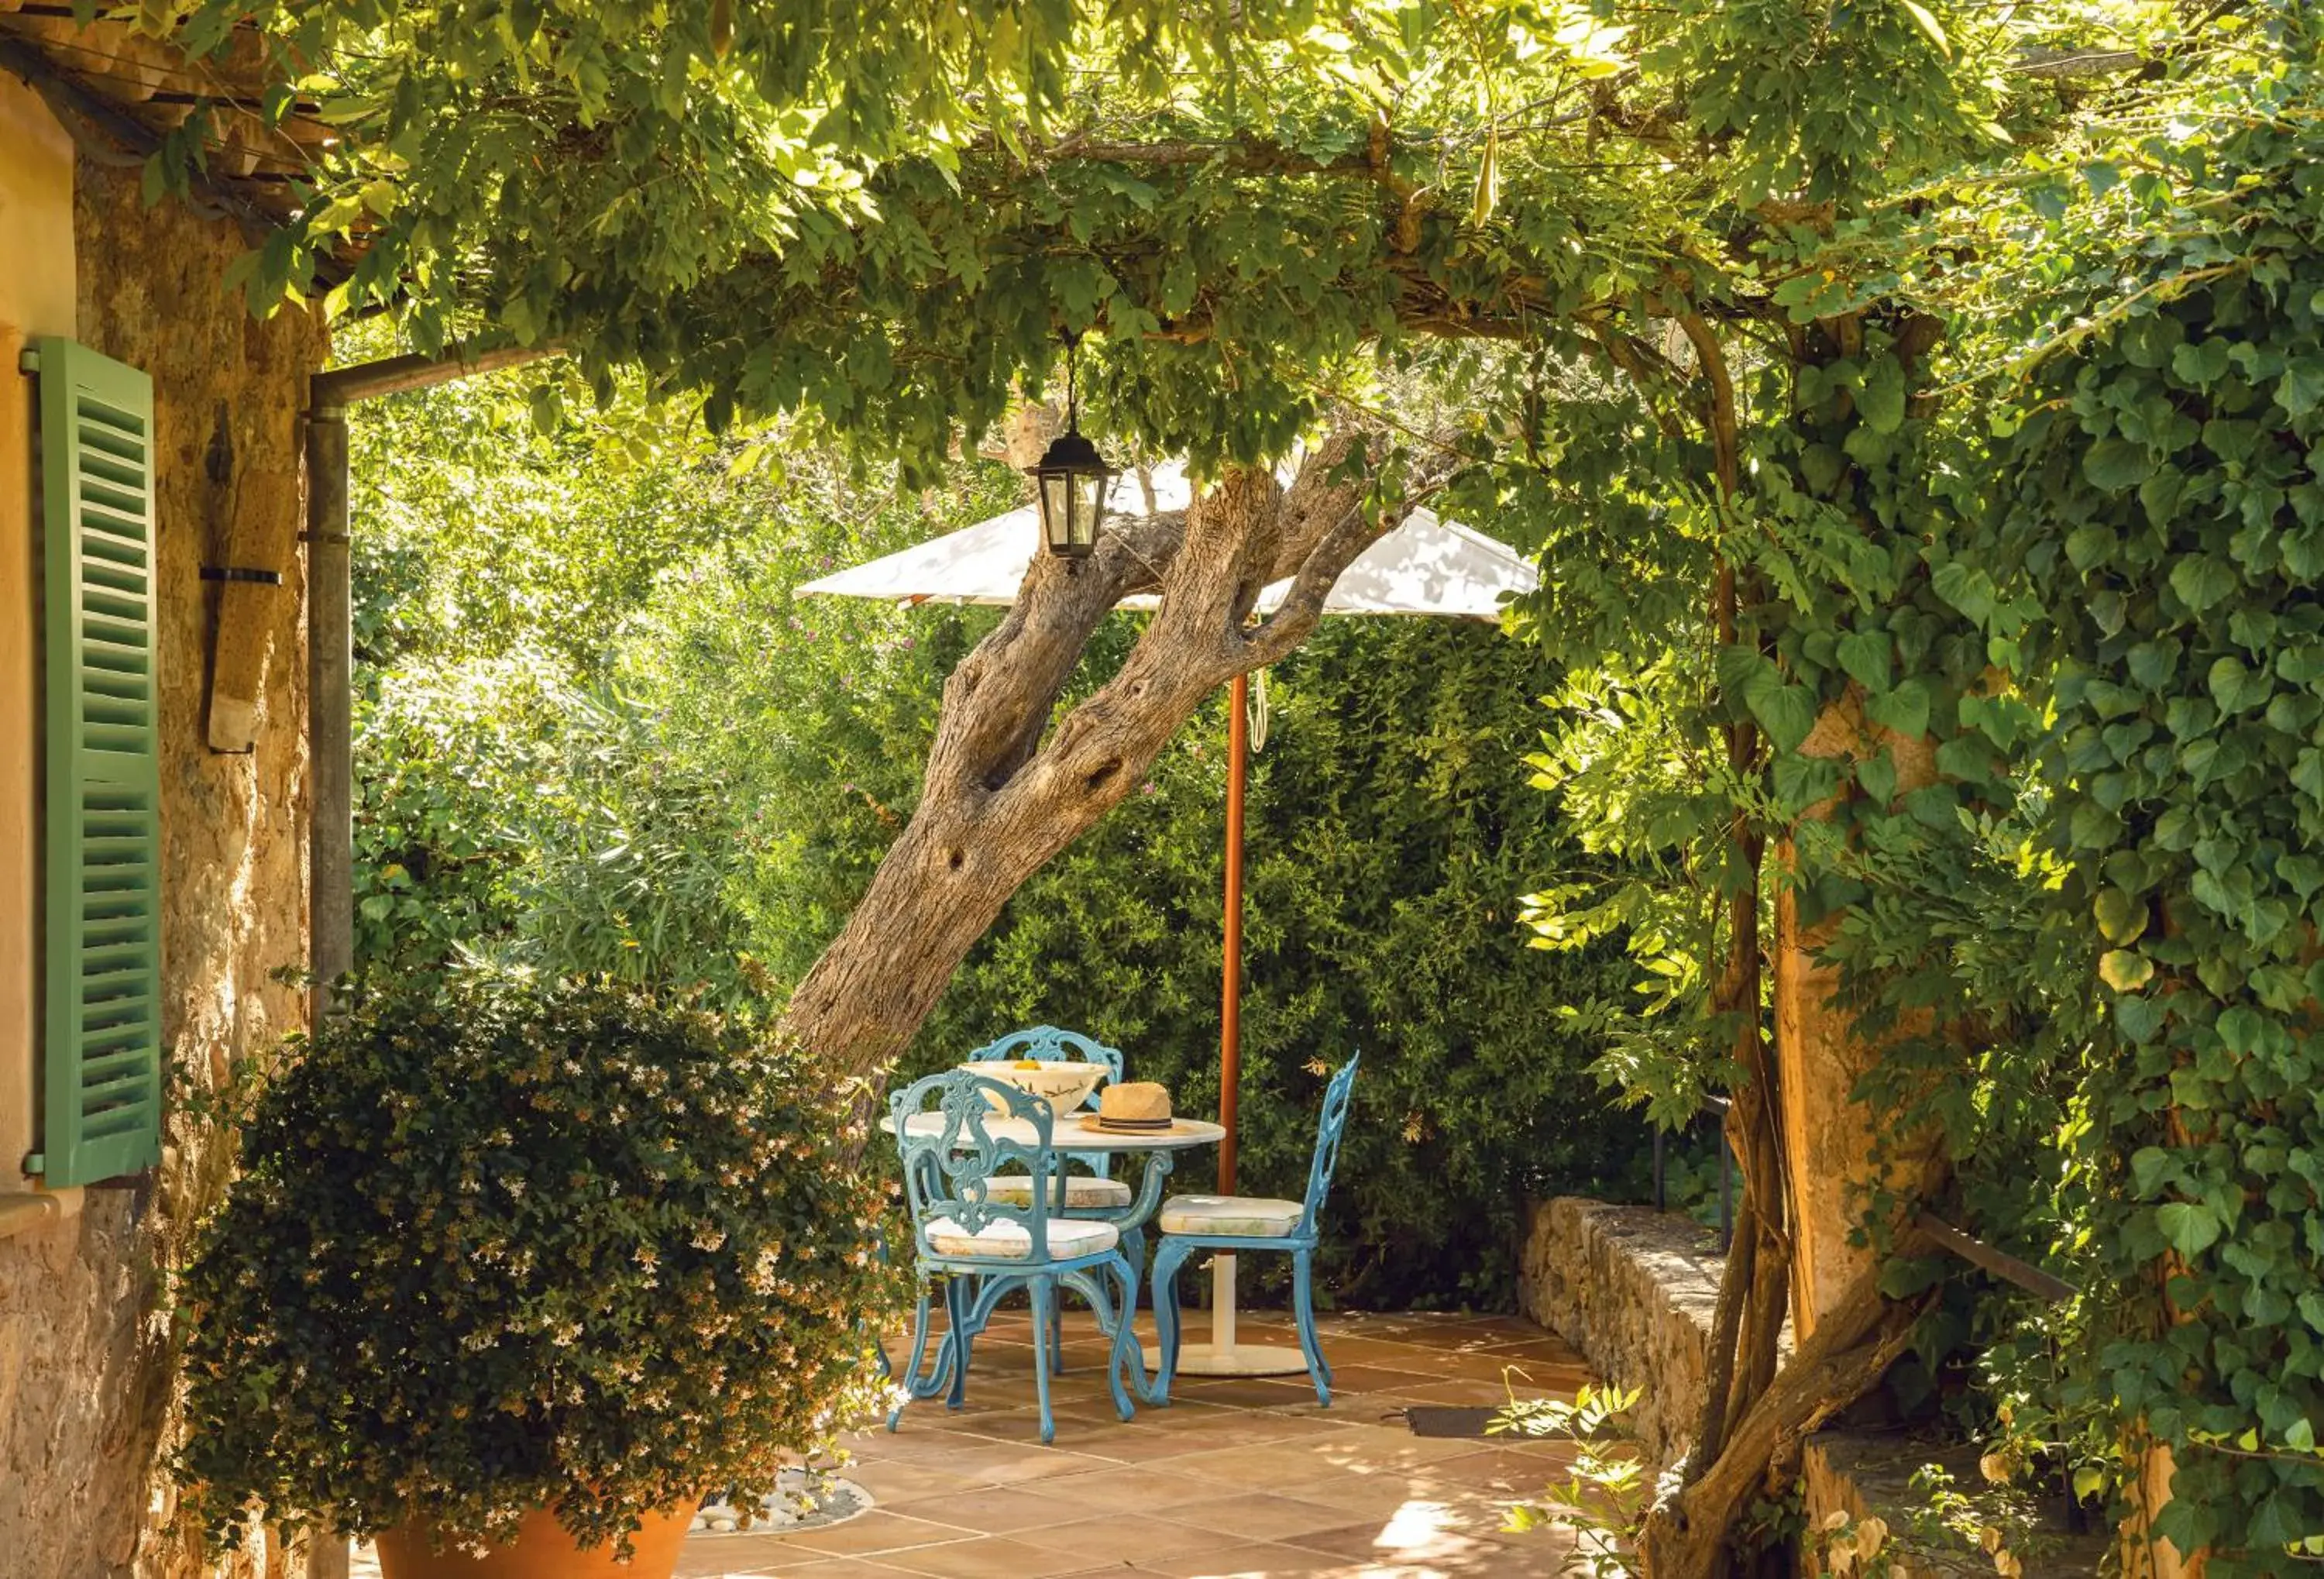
x,y
1634,1289
85,1357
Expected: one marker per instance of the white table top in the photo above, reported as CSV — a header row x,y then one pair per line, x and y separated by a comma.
x,y
1071,1134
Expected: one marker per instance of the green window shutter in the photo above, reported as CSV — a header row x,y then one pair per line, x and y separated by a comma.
x,y
101,874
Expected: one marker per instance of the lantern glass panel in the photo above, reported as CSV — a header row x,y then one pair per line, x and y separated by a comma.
x,y
1089,498
1056,510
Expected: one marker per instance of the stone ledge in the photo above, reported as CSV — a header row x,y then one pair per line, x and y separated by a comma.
x,y
1635,1290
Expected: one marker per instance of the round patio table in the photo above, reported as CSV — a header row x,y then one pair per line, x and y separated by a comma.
x,y
1070,1134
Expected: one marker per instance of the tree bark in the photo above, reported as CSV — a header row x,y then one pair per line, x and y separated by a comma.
x,y
1004,791
1752,1294
1685,1535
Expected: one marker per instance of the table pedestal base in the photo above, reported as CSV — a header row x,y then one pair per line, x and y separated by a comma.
x,y
1241,1359
1223,1356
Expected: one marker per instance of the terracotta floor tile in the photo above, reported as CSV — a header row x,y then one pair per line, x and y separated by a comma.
x,y
1379,1379
880,1530
1414,1534
1525,1375
1146,1489
896,1482
1085,1424
1261,1516
1265,1467
1257,1560
1464,1390
903,1447
1253,1429
714,1556
1248,1392
1151,1439
1367,1496
993,1557
1001,1509
1517,1471
1010,1464
1127,1538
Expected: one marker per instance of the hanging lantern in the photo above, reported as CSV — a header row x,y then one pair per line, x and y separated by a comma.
x,y
1071,483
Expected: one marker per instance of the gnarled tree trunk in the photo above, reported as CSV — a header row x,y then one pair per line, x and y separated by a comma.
x,y
1004,791
1861,1335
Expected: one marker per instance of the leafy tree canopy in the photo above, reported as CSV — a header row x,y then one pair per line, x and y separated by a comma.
x,y
888,213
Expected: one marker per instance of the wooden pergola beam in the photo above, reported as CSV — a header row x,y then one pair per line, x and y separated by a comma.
x,y
344,386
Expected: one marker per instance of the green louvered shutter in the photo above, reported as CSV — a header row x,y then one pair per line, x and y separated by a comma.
x,y
101,877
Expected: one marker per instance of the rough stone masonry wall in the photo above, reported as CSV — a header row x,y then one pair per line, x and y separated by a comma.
x,y
1634,1289
84,1358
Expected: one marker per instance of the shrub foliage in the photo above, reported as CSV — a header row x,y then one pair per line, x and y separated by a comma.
x,y
503,1244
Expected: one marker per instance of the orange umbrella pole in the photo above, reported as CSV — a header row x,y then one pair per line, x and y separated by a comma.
x,y
1231,986
1222,1355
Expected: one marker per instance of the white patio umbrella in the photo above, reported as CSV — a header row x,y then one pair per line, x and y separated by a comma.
x,y
1426,566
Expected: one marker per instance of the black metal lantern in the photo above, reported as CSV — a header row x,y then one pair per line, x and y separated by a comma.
x,y
1071,483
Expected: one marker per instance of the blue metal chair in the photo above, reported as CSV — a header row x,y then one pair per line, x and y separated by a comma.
x,y
1247,1223
1097,1194
982,1248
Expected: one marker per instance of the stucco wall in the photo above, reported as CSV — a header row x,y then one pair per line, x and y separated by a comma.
x,y
84,1391
36,298
38,292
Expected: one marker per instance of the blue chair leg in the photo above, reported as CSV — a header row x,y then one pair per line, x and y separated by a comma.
x,y
1091,1286
919,1357
1168,1259
958,1299
1303,1304
1057,1338
1045,1296
1127,1360
1133,1250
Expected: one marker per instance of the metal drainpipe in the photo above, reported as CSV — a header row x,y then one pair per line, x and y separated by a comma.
x,y
330,710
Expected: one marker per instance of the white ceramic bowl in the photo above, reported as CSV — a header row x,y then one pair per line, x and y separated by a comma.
x,y
1065,1083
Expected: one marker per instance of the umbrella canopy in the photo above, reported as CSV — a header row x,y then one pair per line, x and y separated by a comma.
x,y
1426,566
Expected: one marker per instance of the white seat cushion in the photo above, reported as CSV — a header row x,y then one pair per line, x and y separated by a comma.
x,y
1006,1241
1083,1191
1238,1216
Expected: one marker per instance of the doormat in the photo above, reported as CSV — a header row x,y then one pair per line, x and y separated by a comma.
x,y
801,1501
1442,1420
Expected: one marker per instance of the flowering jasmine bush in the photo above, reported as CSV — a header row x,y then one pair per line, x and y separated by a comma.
x,y
504,1244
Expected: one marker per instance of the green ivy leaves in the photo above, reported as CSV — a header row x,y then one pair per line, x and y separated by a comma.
x,y
1785,709
2158,511
2190,1226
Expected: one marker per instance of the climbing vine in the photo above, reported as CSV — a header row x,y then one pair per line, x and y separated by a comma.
x,y
2159,517
2029,554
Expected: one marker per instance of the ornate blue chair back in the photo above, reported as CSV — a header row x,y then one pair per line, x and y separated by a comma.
x,y
948,1163
1329,1127
1050,1043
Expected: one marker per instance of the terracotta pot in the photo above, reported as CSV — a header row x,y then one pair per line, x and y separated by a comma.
x,y
541,1550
